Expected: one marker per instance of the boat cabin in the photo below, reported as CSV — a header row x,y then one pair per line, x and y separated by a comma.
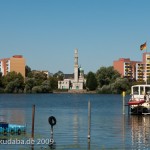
x,y
140,92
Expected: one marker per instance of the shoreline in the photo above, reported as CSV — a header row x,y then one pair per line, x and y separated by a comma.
x,y
75,92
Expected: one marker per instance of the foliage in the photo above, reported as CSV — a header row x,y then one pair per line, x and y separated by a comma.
x,y
105,89
13,82
1,83
36,82
53,82
46,87
37,89
38,76
105,80
106,76
29,84
59,75
27,70
1,79
11,76
121,84
91,81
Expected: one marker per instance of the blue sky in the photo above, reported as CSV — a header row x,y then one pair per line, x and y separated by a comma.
x,y
46,32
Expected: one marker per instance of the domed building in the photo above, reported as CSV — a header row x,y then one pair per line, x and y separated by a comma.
x,y
76,81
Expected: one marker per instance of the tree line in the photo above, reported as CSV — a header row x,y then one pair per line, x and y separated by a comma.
x,y
34,82
105,80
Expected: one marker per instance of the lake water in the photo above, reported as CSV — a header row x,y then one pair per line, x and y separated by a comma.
x,y
110,129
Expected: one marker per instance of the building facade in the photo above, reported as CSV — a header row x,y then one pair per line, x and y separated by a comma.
x,y
15,63
77,81
138,70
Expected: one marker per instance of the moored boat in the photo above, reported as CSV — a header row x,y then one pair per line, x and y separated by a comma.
x,y
139,103
134,102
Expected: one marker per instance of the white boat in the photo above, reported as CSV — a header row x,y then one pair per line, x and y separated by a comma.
x,y
139,102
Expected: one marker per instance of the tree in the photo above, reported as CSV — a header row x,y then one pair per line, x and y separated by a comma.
x,y
10,87
59,75
121,84
91,81
53,83
106,75
37,89
27,70
46,87
29,84
38,76
14,82
105,89
1,83
11,76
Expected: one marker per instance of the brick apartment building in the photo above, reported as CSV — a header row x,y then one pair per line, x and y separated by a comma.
x,y
139,70
15,63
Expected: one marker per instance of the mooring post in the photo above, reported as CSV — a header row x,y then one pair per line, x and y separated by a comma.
x,y
128,109
89,119
123,103
52,122
89,144
52,132
33,118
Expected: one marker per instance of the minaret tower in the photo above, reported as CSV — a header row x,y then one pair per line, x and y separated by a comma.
x,y
76,65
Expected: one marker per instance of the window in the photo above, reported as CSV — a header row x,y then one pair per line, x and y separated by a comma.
x,y
141,91
135,90
147,90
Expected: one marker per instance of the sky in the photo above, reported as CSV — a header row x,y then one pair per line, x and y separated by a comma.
x,y
46,32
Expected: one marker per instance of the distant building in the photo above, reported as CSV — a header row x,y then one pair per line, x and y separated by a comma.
x,y
46,72
15,63
73,81
139,70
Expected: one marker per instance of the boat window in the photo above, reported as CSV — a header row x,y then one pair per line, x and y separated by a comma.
x,y
141,91
147,90
135,90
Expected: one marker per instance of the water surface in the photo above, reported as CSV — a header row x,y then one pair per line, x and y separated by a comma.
x,y
110,129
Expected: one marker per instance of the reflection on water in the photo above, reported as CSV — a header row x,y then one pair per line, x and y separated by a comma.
x,y
140,131
123,129
16,116
75,128
109,128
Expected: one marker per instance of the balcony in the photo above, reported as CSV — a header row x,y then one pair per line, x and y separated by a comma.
x,y
147,61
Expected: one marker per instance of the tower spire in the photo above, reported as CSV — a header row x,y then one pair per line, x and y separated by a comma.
x,y
76,56
76,65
